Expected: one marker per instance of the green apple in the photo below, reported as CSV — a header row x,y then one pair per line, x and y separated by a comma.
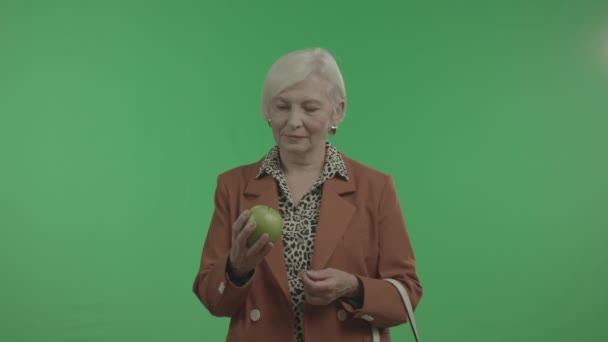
x,y
267,220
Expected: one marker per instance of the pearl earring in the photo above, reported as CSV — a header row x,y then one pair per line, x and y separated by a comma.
x,y
333,130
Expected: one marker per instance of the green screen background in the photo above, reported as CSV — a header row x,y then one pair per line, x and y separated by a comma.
x,y
117,116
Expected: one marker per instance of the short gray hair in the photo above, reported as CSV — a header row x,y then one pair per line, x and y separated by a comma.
x,y
294,67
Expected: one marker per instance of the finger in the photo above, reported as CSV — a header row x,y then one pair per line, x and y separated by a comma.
x,y
262,253
257,247
311,286
324,289
306,281
325,285
317,275
244,234
257,256
237,226
267,249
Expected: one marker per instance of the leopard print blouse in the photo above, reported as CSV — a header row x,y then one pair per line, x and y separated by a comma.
x,y
300,222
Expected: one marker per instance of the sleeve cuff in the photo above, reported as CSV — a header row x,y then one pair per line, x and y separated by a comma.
x,y
356,302
241,281
237,281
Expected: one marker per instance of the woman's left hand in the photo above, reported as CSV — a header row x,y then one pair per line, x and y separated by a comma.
x,y
324,286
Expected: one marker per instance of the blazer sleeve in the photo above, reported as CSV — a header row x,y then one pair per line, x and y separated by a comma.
x,y
382,305
212,284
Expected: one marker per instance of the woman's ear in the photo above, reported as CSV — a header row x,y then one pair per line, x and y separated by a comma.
x,y
338,114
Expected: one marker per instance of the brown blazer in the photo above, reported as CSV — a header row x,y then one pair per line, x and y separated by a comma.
x,y
361,230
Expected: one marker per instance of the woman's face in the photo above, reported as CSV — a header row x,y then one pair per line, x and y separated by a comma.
x,y
302,115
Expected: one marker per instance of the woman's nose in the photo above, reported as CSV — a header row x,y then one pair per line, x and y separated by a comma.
x,y
294,118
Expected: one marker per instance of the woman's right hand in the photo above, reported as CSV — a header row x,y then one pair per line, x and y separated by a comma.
x,y
243,259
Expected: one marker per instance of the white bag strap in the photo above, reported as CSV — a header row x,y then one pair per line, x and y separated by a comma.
x,y
375,334
408,309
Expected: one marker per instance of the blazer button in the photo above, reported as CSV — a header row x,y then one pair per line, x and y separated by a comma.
x,y
255,315
221,287
342,315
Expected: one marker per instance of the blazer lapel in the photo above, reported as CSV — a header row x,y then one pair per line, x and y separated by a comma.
x,y
334,217
264,191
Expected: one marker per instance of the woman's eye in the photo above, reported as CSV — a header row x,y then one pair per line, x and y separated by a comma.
x,y
311,109
282,107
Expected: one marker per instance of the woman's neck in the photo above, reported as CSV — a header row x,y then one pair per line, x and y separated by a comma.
x,y
309,163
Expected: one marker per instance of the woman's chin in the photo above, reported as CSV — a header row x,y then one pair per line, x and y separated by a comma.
x,y
293,147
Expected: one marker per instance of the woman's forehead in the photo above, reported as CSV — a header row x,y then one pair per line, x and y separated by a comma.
x,y
302,98
307,90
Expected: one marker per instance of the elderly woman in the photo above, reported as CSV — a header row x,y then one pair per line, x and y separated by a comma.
x,y
343,267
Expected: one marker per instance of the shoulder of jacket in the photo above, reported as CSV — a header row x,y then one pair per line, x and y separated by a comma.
x,y
241,172
364,172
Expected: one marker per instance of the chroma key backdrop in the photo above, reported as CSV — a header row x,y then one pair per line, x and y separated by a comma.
x,y
117,116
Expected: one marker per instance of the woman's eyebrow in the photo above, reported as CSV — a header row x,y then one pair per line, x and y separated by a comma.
x,y
311,101
305,102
